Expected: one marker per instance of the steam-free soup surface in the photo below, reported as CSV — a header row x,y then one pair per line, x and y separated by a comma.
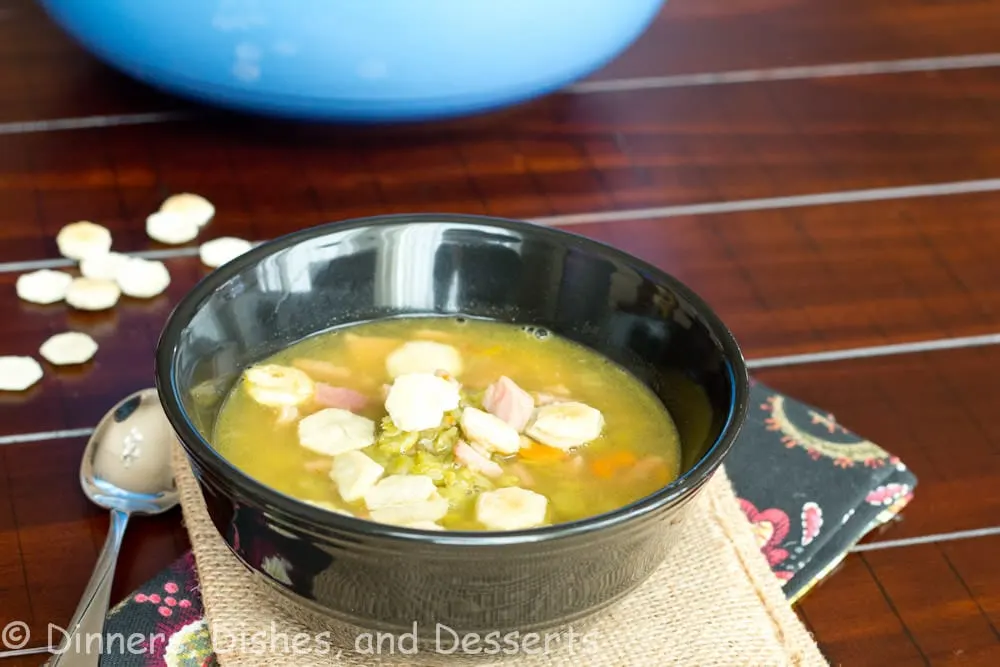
x,y
436,424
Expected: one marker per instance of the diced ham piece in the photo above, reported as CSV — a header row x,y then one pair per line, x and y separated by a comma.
x,y
340,397
509,402
467,455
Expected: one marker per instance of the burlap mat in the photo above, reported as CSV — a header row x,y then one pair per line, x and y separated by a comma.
x,y
714,603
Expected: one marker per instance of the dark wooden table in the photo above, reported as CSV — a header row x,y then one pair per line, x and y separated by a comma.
x,y
819,209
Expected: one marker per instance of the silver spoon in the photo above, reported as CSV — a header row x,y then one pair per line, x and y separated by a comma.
x,y
125,469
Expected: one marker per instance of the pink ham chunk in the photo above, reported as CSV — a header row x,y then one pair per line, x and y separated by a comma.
x,y
467,455
340,397
504,399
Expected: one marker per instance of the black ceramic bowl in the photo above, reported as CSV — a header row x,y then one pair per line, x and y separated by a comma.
x,y
386,578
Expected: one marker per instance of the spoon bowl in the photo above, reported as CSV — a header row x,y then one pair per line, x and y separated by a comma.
x,y
126,470
126,464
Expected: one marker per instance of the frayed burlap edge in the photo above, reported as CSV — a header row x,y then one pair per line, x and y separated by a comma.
x,y
714,603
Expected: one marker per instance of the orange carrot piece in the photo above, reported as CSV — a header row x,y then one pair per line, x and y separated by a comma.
x,y
608,466
542,453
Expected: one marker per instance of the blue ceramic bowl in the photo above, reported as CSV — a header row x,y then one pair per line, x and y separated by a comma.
x,y
356,60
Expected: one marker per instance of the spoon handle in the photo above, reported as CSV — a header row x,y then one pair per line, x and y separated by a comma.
x,y
80,646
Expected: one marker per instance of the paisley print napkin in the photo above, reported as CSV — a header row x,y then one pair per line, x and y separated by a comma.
x,y
810,487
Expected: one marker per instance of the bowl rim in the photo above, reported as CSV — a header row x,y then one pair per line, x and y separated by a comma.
x,y
298,511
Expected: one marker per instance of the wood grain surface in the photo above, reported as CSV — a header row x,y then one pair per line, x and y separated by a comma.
x,y
816,209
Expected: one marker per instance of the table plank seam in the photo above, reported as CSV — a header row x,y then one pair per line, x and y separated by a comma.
x,y
628,84
892,607
949,270
876,351
933,538
801,72
939,344
988,185
61,434
968,591
91,122
21,652
774,203
20,549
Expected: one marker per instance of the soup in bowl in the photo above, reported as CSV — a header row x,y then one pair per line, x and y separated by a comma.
x,y
408,422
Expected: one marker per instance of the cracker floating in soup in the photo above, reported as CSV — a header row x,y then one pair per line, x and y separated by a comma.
x,y
449,424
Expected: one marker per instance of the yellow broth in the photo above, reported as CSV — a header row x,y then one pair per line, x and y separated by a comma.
x,y
637,453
